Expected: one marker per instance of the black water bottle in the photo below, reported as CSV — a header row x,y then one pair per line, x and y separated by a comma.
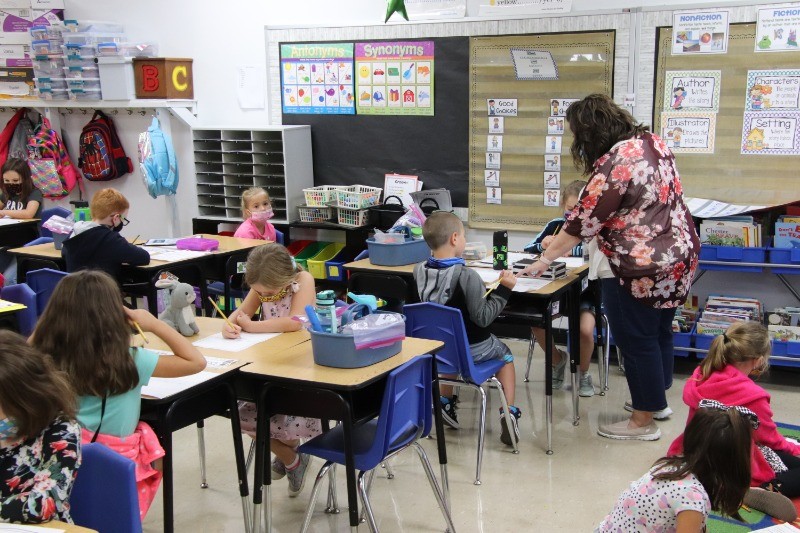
x,y
500,250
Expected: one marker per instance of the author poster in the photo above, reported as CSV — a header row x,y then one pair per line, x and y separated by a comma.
x,y
692,90
394,78
317,79
690,133
771,133
772,89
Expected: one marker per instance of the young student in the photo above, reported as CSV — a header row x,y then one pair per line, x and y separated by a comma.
x,y
87,330
725,375
444,279
256,211
40,442
678,492
21,200
569,197
98,244
280,289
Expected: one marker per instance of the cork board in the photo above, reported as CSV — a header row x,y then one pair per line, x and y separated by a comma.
x,y
585,65
727,175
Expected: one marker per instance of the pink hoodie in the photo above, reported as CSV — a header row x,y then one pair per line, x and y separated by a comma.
x,y
731,387
248,230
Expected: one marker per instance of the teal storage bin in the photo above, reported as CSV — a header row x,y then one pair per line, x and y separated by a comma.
x,y
406,253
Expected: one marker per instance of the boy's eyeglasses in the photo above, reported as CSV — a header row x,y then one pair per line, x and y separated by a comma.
x,y
124,221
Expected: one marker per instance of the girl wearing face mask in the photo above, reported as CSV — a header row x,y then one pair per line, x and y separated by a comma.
x,y
736,356
256,211
20,198
39,438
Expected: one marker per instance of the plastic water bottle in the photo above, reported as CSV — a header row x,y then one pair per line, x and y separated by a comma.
x,y
326,310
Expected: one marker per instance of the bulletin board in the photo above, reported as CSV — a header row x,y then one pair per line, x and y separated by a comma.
x,y
726,174
585,65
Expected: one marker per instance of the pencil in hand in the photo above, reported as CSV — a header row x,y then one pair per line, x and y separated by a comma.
x,y
492,286
210,299
139,329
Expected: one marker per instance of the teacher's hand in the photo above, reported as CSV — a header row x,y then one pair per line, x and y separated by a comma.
x,y
534,271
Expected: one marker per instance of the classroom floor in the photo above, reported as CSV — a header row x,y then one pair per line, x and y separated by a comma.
x,y
571,490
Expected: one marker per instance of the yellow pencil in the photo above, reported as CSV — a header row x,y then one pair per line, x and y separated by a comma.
x,y
557,230
210,299
139,329
135,239
493,286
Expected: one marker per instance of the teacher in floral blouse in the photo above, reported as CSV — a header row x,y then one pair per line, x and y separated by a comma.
x,y
633,204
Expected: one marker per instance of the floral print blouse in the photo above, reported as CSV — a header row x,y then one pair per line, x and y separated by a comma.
x,y
36,475
634,204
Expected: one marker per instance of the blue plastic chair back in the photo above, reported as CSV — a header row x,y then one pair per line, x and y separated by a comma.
x,y
63,212
438,322
104,497
40,240
363,255
279,236
43,282
22,294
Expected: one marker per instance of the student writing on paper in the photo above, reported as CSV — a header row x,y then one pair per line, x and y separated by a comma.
x,y
20,200
280,289
40,441
87,330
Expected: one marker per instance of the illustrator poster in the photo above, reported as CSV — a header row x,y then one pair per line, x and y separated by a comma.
x,y
689,132
772,89
771,133
317,79
776,29
692,90
700,32
394,78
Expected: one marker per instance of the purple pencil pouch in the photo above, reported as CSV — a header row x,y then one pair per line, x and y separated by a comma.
x,y
197,244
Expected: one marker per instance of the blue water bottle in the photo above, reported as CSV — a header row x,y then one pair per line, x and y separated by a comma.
x,y
326,310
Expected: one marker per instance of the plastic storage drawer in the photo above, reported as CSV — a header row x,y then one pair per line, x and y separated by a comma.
x,y
407,253
316,264
334,269
732,254
308,252
296,246
339,351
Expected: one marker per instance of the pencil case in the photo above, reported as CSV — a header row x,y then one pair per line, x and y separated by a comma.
x,y
197,244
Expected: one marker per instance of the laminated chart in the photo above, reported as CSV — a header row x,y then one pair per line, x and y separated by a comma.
x,y
394,78
317,79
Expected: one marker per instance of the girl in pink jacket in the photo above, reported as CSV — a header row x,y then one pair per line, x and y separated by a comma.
x,y
725,376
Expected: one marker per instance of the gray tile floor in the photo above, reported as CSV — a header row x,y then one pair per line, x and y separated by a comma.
x,y
571,490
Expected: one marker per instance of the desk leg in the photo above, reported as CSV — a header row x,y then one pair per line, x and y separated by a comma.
x,y
238,449
169,500
439,424
262,478
350,467
574,319
548,374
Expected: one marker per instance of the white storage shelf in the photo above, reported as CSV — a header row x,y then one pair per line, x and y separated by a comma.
x,y
228,161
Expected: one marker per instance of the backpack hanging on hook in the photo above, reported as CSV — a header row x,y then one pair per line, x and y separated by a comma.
x,y
157,161
101,156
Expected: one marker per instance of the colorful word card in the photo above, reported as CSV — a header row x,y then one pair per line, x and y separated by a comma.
x,y
700,32
552,162
772,89
496,124
552,180
491,178
494,195
692,90
552,144
776,29
559,106
494,143
394,78
555,125
502,106
493,160
317,79
771,133
689,132
552,197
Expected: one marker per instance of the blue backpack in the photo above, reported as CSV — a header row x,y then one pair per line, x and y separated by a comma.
x,y
157,161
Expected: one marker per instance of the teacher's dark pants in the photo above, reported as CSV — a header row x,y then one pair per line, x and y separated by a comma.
x,y
644,335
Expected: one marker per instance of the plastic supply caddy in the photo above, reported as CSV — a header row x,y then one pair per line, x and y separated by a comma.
x,y
352,217
321,195
339,350
315,213
395,254
358,196
316,264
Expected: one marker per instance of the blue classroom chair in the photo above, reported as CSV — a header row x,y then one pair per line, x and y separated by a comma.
x,y
405,417
22,294
439,322
63,212
43,282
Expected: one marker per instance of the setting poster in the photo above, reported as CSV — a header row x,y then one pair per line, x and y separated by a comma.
x,y
317,79
394,78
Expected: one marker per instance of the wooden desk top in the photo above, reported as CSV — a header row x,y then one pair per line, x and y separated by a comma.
x,y
364,264
211,326
297,364
46,251
69,528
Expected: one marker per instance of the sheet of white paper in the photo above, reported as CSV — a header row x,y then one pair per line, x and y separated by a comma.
x,y
780,528
163,387
22,528
211,362
8,221
179,255
572,262
530,284
513,257
161,242
152,250
251,82
245,341
487,274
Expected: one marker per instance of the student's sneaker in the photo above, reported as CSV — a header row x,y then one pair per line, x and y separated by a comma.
x,y
449,415
558,371
621,431
297,475
278,469
774,504
658,415
586,388
505,433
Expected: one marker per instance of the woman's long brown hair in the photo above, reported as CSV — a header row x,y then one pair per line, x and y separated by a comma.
x,y
597,124
86,332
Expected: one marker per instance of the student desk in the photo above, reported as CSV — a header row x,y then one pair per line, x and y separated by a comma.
x,y
546,301
17,232
289,382
216,396
68,528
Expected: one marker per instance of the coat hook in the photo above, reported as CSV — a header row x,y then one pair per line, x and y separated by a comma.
x,y
143,112
83,111
130,112
70,111
114,112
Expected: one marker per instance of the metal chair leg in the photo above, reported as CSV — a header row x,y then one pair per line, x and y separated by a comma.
x,y
506,411
481,434
389,471
201,446
531,345
363,493
333,504
606,353
426,464
317,482
251,453
370,478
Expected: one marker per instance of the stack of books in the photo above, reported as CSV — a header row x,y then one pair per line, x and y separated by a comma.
x,y
787,232
784,324
740,231
722,311
684,320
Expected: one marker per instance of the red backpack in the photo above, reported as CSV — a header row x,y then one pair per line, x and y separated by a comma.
x,y
101,156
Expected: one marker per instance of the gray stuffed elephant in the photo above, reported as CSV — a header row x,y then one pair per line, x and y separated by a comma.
x,y
180,313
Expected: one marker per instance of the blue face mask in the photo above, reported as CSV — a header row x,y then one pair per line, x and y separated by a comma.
x,y
8,429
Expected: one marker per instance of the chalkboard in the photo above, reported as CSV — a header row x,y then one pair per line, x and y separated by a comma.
x,y
362,149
